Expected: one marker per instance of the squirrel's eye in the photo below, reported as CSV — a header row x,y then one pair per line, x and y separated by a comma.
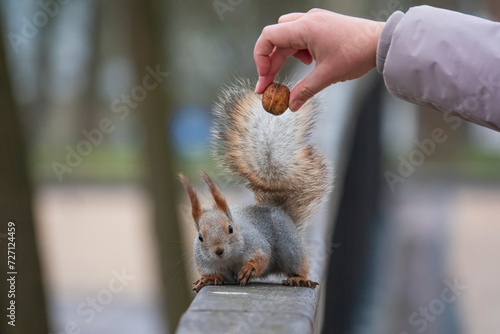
x,y
230,229
200,237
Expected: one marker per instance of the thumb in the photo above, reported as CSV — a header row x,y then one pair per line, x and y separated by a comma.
x,y
309,86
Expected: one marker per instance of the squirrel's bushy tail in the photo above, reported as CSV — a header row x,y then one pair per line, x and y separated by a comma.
x,y
270,154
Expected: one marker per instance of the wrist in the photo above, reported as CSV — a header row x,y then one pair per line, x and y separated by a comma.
x,y
377,32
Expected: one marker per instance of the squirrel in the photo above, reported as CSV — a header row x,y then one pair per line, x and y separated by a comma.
x,y
274,158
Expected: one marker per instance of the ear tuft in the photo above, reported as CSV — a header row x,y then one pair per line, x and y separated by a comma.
x,y
220,202
196,209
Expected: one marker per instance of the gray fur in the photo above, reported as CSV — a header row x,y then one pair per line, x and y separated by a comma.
x,y
271,155
256,228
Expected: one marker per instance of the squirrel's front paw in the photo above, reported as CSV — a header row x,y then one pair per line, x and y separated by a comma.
x,y
212,279
246,273
299,281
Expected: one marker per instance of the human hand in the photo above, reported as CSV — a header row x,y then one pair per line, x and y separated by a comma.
x,y
343,47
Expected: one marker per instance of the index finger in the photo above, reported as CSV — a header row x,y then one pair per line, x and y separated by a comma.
x,y
284,35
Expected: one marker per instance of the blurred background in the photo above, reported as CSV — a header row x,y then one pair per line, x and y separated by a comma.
x,y
103,102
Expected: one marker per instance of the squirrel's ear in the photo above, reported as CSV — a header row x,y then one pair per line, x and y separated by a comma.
x,y
197,211
220,202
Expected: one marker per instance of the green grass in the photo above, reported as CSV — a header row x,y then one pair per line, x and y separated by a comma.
x,y
108,164
469,162
104,164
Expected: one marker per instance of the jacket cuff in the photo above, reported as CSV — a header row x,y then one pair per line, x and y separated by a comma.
x,y
384,41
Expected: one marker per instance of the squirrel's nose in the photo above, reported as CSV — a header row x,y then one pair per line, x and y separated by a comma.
x,y
219,251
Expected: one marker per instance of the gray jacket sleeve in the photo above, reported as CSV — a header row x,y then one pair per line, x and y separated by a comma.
x,y
443,59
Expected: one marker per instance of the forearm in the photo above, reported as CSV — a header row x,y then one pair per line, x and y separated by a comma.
x,y
443,59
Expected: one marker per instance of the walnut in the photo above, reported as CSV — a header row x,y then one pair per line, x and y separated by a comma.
x,y
275,98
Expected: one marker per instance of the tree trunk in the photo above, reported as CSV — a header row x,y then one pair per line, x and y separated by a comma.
x,y
16,206
89,100
36,113
155,110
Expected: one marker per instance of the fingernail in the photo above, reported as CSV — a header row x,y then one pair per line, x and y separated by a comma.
x,y
257,86
295,105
